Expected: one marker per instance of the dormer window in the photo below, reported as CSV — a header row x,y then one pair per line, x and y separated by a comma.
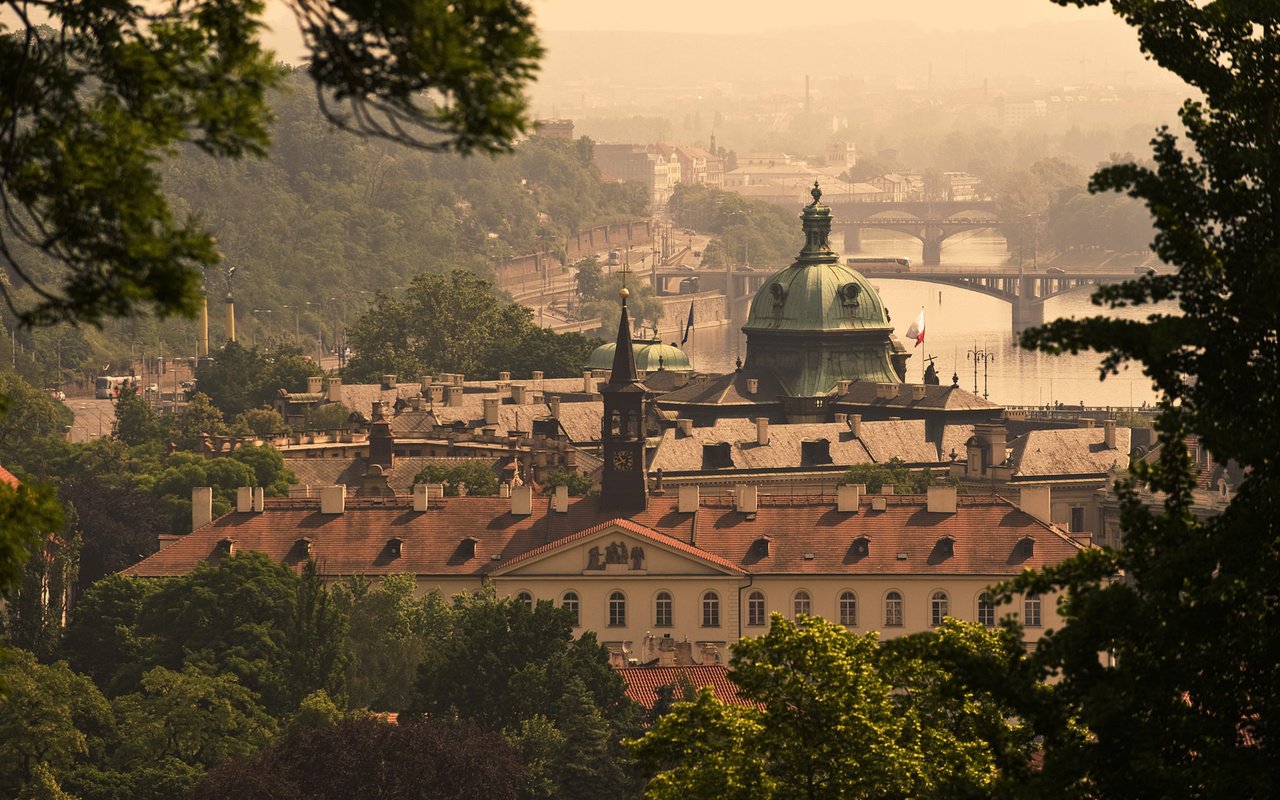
x,y
861,547
303,546
227,547
395,547
761,546
1026,546
467,548
945,548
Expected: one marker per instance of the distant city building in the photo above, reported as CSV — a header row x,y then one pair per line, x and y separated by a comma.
x,y
554,128
637,164
841,154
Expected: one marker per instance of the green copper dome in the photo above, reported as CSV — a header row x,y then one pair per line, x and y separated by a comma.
x,y
651,355
817,321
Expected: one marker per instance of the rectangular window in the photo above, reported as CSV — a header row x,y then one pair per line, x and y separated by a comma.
x,y
1077,519
662,611
617,611
755,609
1031,611
711,610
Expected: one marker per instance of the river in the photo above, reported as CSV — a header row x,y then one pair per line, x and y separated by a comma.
x,y
959,321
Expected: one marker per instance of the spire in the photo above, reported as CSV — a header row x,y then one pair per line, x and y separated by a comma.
x,y
816,220
624,360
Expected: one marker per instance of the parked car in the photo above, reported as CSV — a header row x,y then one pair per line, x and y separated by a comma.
x,y
1056,271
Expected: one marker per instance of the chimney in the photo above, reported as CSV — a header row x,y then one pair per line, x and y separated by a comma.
x,y
333,499
588,383
753,385
522,500
504,490
459,378
560,500
1109,434
425,383
842,387
381,444
335,389
684,428
244,500
554,403
687,499
762,431
201,506
419,497
1036,501
388,381
1087,422
437,392
537,374
855,425
917,392
315,384
941,499
747,499
259,499
504,376
842,419
453,395
887,391
519,394
435,491
491,410
847,498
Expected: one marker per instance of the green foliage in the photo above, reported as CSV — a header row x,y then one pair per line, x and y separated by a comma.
x,y
263,422
385,640
579,485
894,473
500,663
137,422
642,304
239,379
315,711
328,417
50,718
102,640
476,475
455,323
746,231
1180,707
32,619
840,717
29,415
588,277
28,514
108,92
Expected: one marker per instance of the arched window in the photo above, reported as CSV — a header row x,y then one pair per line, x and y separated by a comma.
x,y
893,610
526,598
711,610
939,608
986,610
848,609
802,603
662,610
571,604
1031,611
615,423
755,608
617,610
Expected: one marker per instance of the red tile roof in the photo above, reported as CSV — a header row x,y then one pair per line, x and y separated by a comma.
x,y
643,683
7,477
630,527
807,537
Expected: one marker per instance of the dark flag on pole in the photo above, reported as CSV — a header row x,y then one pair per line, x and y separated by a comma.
x,y
688,326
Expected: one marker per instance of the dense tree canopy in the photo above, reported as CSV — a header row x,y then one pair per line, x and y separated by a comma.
x,y
746,231
238,379
457,322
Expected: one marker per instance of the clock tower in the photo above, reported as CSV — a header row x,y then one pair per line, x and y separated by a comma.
x,y
624,485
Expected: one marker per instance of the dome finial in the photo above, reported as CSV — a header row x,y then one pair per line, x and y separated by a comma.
x,y
816,193
624,294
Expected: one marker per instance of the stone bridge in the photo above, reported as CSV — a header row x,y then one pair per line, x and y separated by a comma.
x,y
930,222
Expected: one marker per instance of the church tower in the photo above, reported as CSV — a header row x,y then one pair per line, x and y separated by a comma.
x,y
623,486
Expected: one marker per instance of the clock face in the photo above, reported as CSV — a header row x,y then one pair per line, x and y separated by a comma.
x,y
623,461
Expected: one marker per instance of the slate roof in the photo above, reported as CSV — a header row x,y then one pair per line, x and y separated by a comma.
x,y
808,537
729,389
1070,451
360,397
643,683
879,442
936,398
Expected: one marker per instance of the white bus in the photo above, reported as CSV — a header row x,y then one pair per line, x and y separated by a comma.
x,y
108,387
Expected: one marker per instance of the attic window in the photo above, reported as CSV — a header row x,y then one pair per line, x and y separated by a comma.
x,y
814,452
945,548
717,456
1027,546
227,547
761,545
861,547
303,546
395,547
467,547
849,294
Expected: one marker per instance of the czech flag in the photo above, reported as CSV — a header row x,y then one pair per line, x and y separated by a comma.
x,y
916,331
688,326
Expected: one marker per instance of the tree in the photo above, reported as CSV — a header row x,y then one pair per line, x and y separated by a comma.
x,y
239,379
589,275
200,420
579,485
50,718
27,415
475,475
385,640
642,303
328,417
102,641
28,514
500,664
839,716
360,756
892,473
111,90
1182,703
136,421
261,422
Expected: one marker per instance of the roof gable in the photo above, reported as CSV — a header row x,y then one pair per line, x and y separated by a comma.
x,y
616,546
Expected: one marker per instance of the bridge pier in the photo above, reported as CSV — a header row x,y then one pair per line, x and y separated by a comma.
x,y
932,255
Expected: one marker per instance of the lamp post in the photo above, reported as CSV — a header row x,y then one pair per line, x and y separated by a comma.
x,y
986,357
